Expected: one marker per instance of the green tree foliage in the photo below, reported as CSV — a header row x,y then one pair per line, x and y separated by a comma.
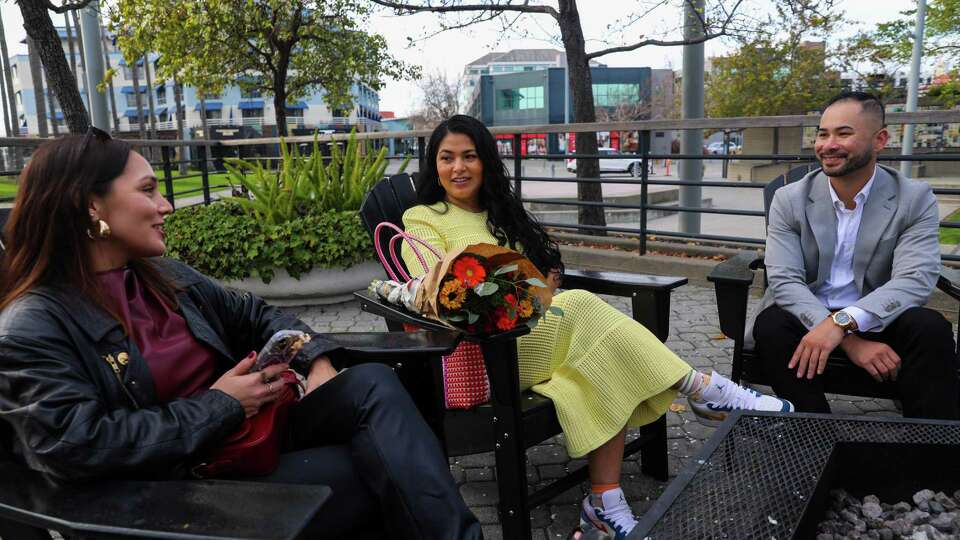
x,y
284,48
946,94
766,77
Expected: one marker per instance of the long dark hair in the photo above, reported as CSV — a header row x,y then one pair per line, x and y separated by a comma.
x,y
507,220
47,240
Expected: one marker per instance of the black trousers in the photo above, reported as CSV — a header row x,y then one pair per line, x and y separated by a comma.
x,y
927,379
361,434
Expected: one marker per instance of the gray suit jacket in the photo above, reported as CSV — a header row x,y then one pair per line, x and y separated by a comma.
x,y
896,260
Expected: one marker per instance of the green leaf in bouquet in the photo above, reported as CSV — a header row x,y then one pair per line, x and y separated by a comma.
x,y
535,282
472,317
532,323
455,317
486,288
505,269
556,311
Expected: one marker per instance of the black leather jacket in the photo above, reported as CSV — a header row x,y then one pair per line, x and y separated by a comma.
x,y
72,416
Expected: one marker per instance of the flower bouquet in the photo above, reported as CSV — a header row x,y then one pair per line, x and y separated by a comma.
x,y
481,289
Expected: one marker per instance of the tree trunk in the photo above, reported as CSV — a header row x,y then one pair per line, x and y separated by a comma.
x,y
73,53
203,115
53,115
36,73
280,112
150,104
9,122
178,101
581,91
7,82
139,100
39,27
113,98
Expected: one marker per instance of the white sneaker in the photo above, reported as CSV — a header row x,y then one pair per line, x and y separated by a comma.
x,y
727,396
614,521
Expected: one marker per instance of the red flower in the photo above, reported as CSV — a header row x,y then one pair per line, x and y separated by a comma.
x,y
510,299
469,271
504,320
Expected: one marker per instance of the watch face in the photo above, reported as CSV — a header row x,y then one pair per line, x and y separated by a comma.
x,y
841,318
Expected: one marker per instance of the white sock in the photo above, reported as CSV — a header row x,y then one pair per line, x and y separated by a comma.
x,y
692,384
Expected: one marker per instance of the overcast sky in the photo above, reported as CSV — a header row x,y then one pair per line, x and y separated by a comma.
x,y
450,51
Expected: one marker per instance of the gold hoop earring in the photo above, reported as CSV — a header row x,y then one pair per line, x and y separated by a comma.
x,y
103,230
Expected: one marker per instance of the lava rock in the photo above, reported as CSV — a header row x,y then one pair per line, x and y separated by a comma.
x,y
943,523
885,534
935,507
922,496
945,501
871,509
902,507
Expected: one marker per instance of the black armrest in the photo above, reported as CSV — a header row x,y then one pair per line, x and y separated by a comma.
x,y
364,345
182,510
370,303
649,295
737,269
949,281
731,280
618,283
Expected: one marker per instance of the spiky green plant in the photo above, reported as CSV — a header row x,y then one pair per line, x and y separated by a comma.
x,y
304,184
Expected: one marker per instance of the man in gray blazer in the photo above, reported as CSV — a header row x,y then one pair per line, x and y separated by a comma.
x,y
852,255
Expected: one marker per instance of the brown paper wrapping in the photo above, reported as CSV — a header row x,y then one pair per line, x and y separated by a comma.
x,y
496,256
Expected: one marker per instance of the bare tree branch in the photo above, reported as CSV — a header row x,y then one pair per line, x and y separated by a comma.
x,y
66,6
522,8
672,43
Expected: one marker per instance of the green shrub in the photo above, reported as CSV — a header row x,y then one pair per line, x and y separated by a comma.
x,y
225,242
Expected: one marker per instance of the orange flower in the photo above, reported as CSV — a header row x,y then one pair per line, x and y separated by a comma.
x,y
504,320
469,271
526,308
452,294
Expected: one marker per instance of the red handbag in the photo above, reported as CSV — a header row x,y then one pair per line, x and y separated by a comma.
x,y
254,449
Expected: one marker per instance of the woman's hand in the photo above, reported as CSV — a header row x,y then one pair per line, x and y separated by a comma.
x,y
321,371
553,279
252,390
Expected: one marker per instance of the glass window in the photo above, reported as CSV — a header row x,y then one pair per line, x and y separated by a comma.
x,y
252,113
214,115
131,100
162,95
611,95
294,113
527,98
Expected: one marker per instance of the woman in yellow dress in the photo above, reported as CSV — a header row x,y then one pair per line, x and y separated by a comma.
x,y
603,370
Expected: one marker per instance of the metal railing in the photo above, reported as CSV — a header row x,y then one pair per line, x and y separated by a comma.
x,y
206,157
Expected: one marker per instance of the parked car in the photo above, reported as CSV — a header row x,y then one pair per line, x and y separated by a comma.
x,y
626,163
717,148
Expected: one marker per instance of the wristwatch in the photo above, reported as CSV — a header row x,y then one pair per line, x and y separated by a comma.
x,y
844,321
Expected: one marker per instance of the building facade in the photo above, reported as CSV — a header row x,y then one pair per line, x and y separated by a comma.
x,y
542,96
232,107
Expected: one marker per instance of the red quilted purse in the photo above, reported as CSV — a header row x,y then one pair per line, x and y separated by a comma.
x,y
465,381
254,449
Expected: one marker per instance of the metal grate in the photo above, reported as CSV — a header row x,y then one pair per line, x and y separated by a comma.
x,y
755,476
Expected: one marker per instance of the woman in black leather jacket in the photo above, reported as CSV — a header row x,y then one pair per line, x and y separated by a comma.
x,y
114,361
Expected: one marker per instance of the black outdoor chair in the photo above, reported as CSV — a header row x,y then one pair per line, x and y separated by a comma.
x,y
732,279
513,420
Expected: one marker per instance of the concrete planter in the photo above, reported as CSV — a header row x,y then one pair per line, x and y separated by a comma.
x,y
319,286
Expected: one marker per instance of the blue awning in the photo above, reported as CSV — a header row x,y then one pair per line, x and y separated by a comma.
x,y
132,113
255,104
161,110
129,90
297,106
211,106
161,86
58,115
123,62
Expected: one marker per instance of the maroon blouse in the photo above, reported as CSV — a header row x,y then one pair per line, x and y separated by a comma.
x,y
181,366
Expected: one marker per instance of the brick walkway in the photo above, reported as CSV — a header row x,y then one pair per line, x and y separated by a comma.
x,y
694,336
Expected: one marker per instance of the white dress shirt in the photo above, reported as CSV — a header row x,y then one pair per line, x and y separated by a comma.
x,y
839,291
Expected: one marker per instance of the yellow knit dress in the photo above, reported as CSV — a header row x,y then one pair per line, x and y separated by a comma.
x,y
602,369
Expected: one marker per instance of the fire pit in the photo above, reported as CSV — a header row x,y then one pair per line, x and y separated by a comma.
x,y
770,476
